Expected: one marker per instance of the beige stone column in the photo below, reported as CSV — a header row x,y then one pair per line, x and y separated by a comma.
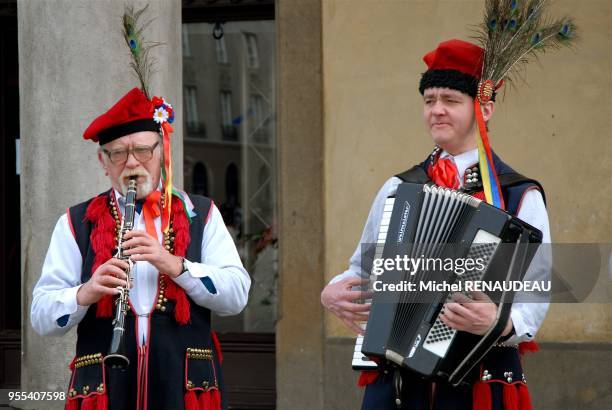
x,y
299,331
73,65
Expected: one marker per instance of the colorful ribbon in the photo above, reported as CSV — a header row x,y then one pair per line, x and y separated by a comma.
x,y
490,182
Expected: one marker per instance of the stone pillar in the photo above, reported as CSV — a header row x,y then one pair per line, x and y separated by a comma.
x,y
73,65
299,331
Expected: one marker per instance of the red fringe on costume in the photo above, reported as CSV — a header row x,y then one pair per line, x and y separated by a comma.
x,y
524,397
196,399
515,396
103,241
97,401
511,401
481,396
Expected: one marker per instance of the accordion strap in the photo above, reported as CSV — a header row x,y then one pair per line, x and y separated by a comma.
x,y
415,175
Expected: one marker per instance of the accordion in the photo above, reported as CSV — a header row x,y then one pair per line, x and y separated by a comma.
x,y
432,223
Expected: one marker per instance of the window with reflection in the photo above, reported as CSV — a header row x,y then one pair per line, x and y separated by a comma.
x,y
230,93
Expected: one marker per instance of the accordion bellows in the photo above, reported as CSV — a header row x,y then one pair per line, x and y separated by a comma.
x,y
430,224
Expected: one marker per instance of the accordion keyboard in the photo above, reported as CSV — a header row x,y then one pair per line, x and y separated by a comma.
x,y
361,362
440,336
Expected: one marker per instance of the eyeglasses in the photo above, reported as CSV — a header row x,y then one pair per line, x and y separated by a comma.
x,y
142,153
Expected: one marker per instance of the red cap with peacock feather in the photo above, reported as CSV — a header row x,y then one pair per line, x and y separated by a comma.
x,y
136,111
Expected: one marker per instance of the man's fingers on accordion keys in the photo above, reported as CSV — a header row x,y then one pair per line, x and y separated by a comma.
x,y
355,317
480,297
354,307
350,282
460,298
353,326
353,295
457,309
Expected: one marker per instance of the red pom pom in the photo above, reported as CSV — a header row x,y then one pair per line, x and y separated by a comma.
x,y
367,377
528,347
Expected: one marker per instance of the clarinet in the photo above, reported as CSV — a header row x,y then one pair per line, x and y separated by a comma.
x,y
116,357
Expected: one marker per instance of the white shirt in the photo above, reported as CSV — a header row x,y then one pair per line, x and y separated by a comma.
x,y
54,295
526,317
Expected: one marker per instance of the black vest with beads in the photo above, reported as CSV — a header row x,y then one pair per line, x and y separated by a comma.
x,y
513,185
158,374
500,361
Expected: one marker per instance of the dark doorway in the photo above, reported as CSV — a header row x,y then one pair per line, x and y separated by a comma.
x,y
10,249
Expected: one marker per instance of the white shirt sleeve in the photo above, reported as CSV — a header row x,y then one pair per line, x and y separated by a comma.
x,y
54,308
220,282
527,317
370,231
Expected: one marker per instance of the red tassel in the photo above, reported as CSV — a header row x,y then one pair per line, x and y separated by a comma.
x,y
191,400
481,396
204,400
511,399
102,403
524,397
367,377
180,224
103,241
72,404
528,347
215,399
89,402
215,340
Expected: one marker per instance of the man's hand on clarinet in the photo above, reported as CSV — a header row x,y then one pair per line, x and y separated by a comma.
x,y
104,281
340,299
472,315
140,246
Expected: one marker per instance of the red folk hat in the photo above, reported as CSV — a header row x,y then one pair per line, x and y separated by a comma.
x,y
455,64
134,112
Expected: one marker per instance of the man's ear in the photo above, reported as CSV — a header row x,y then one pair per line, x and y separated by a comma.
x,y
487,110
101,160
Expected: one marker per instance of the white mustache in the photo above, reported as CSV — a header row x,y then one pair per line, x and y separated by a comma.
x,y
142,189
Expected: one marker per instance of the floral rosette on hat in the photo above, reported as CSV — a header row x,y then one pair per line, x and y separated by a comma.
x,y
163,110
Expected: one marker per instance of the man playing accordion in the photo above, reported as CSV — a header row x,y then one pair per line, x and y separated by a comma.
x,y
458,92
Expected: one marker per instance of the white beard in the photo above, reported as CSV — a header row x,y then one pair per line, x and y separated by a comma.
x,y
143,189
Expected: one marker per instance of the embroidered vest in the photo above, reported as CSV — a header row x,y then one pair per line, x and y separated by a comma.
x,y
178,368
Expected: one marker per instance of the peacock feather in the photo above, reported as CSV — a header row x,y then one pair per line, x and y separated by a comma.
x,y
515,31
142,63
